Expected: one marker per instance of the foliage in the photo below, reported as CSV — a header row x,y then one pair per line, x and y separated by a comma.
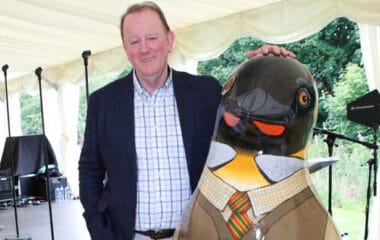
x,y
31,122
350,221
96,81
349,183
348,173
351,85
222,67
325,54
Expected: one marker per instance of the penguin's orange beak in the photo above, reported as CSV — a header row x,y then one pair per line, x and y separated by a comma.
x,y
270,129
266,128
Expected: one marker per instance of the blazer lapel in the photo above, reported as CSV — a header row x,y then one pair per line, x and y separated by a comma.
x,y
185,102
125,123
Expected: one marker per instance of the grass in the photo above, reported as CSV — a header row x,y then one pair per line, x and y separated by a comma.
x,y
350,219
349,184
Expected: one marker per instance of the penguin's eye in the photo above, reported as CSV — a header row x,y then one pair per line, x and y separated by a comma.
x,y
303,98
230,119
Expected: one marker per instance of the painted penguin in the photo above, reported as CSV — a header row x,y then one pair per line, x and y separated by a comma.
x,y
255,184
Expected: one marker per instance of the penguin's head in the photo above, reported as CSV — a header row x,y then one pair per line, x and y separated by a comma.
x,y
268,104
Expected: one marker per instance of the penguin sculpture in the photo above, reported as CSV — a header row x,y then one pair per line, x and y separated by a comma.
x,y
255,184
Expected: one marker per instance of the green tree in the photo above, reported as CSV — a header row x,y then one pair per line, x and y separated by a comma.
x,y
96,81
325,54
351,85
222,67
31,122
349,171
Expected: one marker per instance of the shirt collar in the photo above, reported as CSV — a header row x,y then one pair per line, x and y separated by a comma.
x,y
142,92
262,199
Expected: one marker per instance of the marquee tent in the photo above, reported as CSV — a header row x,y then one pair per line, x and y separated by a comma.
x,y
52,34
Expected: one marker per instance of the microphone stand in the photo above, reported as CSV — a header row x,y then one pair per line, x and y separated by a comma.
x,y
38,74
13,181
324,131
330,140
375,128
85,55
371,162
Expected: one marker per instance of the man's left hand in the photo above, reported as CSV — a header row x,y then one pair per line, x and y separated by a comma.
x,y
270,49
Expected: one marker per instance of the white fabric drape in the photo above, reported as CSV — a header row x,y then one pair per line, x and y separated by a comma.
x,y
68,99
370,45
14,118
72,29
282,22
3,123
52,122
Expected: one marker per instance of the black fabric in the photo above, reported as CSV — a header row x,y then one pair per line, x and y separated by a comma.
x,y
29,154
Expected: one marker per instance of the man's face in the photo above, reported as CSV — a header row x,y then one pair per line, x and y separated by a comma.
x,y
147,44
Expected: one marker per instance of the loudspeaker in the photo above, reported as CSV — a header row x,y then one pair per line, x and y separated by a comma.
x,y
27,186
55,182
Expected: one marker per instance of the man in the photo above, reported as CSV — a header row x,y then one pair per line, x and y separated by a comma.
x,y
149,132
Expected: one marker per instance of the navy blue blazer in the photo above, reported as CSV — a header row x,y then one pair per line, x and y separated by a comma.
x,y
109,147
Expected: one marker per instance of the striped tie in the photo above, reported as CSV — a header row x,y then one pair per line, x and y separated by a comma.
x,y
239,223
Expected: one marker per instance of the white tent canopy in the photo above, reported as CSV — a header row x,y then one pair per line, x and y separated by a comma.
x,y
53,34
